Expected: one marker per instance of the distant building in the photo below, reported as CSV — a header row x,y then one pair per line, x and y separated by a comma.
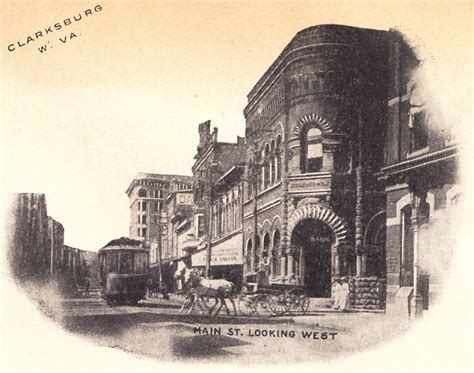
x,y
37,252
148,213
179,205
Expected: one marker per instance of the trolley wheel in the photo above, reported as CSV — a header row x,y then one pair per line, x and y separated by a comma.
x,y
304,303
247,306
277,305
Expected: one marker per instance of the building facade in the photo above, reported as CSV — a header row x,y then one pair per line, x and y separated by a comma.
x,y
225,255
213,161
313,125
36,250
342,172
421,185
179,205
148,213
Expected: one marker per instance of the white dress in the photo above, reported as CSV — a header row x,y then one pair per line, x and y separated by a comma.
x,y
344,296
336,295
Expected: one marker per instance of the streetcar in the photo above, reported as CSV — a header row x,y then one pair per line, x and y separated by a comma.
x,y
124,271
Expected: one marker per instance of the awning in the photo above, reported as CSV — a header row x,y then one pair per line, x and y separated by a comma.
x,y
228,252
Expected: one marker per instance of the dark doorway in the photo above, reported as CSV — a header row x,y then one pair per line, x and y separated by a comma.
x,y
315,239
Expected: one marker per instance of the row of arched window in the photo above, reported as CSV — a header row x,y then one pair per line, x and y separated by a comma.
x,y
266,171
272,244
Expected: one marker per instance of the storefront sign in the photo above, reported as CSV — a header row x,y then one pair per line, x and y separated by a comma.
x,y
225,253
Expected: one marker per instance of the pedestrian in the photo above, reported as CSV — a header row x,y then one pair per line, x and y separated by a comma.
x,y
87,286
344,302
336,294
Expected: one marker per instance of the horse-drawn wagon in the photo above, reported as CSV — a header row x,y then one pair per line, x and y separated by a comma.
x,y
258,297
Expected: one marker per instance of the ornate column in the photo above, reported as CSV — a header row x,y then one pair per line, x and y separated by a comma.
x,y
302,266
361,263
417,299
291,262
282,265
272,264
336,261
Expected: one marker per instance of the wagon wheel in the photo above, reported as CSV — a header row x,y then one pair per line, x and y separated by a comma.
x,y
304,303
262,304
247,305
277,305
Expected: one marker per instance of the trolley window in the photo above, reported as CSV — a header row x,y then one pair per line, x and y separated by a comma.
x,y
139,263
112,262
126,263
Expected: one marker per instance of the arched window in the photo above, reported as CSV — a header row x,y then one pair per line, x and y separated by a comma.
x,y
266,167
266,243
278,158
257,251
248,253
250,182
312,149
272,162
142,193
276,248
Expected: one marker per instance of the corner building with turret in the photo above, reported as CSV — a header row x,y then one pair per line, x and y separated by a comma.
x,y
314,135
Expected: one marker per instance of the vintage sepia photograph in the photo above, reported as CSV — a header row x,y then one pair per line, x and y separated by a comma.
x,y
235,183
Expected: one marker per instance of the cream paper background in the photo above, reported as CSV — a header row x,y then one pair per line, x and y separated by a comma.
x,y
441,32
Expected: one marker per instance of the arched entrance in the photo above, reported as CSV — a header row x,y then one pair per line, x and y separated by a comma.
x,y
314,239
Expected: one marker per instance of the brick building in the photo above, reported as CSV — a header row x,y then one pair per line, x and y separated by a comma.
x,y
226,255
421,184
313,126
217,193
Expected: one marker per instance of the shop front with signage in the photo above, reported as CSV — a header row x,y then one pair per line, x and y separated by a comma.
x,y
226,259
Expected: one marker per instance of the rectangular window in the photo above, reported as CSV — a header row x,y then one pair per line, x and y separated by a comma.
x,y
157,206
155,193
182,199
143,206
419,131
125,263
112,262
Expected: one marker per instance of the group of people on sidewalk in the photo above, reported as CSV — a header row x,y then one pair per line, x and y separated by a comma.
x,y
340,294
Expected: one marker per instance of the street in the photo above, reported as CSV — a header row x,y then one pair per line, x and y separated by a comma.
x,y
157,330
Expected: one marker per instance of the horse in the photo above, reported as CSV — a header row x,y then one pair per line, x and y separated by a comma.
x,y
219,289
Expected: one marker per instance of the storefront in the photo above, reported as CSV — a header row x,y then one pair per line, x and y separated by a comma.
x,y
226,259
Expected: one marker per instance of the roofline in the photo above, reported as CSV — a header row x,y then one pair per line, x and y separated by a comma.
x,y
271,70
230,171
160,177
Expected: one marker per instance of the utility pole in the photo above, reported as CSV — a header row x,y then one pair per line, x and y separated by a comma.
x,y
210,191
359,229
